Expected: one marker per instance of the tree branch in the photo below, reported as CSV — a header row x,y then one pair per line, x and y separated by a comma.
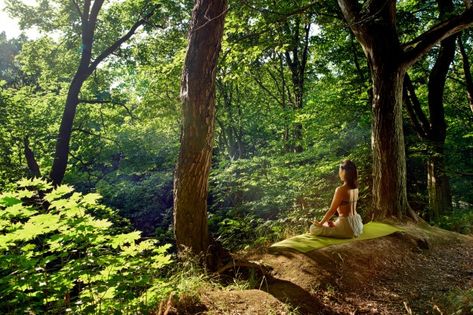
x,y
123,104
86,10
94,12
117,43
101,102
416,48
416,114
276,84
350,10
261,85
76,6
300,10
94,134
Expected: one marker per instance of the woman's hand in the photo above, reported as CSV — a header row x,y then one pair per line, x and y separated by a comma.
x,y
317,223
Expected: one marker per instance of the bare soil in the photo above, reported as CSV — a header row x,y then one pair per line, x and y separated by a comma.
x,y
407,272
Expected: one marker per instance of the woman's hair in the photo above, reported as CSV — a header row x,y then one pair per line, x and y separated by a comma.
x,y
351,175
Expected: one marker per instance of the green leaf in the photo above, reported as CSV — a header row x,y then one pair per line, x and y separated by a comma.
x,y
91,199
8,200
121,239
59,192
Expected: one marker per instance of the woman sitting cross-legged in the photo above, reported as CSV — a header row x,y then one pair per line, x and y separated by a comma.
x,y
348,224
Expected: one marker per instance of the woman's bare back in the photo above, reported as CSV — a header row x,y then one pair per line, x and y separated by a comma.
x,y
344,208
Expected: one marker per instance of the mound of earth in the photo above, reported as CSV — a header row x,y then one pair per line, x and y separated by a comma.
x,y
242,302
406,272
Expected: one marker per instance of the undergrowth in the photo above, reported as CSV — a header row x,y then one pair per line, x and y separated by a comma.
x,y
459,220
459,302
62,251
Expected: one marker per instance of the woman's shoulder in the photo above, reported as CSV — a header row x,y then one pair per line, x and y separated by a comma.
x,y
345,191
341,188
341,191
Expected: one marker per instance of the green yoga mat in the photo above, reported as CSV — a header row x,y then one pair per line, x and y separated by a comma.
x,y
307,242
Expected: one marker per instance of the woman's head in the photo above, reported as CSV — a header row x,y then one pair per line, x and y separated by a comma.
x,y
348,174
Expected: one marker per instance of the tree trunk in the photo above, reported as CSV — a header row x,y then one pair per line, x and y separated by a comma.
x,y
297,65
30,159
382,48
467,73
440,198
198,109
389,161
65,130
63,139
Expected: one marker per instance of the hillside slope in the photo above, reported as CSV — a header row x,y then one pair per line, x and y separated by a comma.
x,y
405,272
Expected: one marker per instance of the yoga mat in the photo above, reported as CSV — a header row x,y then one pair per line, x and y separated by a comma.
x,y
307,242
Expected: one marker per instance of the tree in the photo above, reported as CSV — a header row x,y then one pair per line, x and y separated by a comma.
x,y
9,69
198,111
296,59
374,25
86,16
434,129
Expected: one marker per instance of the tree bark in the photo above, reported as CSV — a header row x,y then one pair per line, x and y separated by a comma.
x,y
389,162
198,110
61,154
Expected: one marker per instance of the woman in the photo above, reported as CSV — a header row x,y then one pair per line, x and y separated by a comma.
x,y
348,223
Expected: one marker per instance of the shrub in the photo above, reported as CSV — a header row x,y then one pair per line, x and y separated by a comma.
x,y
460,302
459,220
60,252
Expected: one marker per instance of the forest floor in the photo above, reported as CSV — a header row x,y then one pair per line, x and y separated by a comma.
x,y
408,272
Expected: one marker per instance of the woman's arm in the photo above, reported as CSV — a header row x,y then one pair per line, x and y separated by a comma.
x,y
337,199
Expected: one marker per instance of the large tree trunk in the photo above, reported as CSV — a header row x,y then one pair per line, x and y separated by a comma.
x,y
389,161
383,51
198,109
387,139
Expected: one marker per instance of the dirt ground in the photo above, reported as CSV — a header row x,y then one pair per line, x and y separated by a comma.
x,y
404,273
